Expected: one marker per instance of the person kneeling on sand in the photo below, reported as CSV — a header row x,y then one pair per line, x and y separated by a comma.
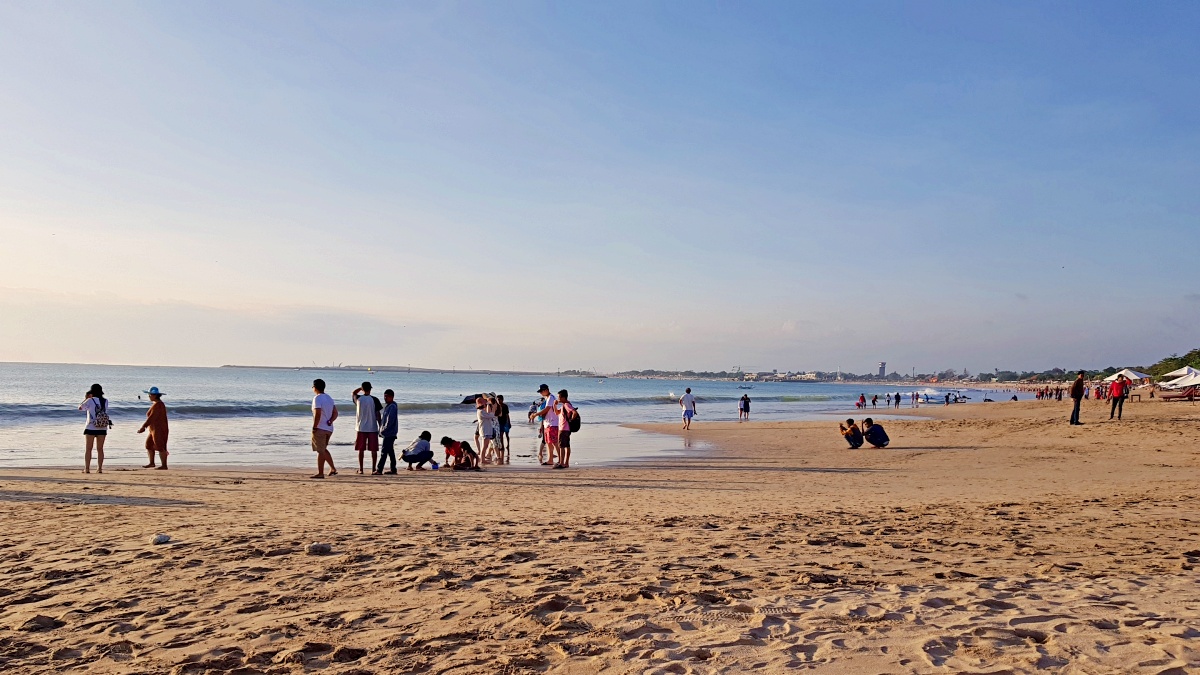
x,y
418,452
874,434
459,454
853,436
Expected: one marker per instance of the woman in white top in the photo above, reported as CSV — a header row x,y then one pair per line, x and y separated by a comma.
x,y
486,419
94,433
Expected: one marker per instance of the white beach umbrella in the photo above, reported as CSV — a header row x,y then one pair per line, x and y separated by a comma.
x,y
1182,372
1185,381
1131,374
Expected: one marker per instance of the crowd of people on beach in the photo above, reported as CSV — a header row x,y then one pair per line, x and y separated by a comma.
x,y
890,400
555,419
377,426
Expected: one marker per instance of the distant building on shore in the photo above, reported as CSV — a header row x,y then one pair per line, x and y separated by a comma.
x,y
883,368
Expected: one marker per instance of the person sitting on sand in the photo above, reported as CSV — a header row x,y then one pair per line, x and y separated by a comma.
x,y
156,423
459,454
874,434
418,452
853,436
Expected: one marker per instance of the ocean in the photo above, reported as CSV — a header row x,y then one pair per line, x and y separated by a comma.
x,y
261,416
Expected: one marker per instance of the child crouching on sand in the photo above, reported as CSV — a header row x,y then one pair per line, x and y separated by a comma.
x,y
418,452
459,454
853,436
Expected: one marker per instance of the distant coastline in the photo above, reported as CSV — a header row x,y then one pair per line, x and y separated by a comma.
x,y
397,369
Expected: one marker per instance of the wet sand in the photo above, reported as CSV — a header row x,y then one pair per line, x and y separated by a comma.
x,y
993,538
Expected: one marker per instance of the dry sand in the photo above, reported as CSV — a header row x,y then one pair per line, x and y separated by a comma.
x,y
994,539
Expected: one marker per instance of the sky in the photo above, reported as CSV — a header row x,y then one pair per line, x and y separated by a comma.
x,y
610,186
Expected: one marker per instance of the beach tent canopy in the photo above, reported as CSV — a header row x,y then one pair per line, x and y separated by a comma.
x,y
1131,374
1185,381
1182,372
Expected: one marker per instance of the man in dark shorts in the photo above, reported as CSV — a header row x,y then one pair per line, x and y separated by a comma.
x,y
504,421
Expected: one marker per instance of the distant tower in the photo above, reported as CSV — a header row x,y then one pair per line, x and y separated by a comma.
x,y
883,368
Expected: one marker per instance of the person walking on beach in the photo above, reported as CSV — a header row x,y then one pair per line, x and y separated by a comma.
x,y
874,401
1118,392
324,413
156,424
1078,392
96,429
897,400
744,407
389,429
367,411
688,403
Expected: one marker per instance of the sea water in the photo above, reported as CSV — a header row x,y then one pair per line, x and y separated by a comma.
x,y
262,416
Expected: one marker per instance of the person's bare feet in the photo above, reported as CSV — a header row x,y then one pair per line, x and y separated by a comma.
x,y
161,468
319,475
360,472
147,466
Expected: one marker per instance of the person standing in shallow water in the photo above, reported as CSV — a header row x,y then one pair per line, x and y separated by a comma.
x,y
156,424
96,429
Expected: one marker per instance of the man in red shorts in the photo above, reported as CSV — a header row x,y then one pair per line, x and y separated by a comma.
x,y
367,413
549,424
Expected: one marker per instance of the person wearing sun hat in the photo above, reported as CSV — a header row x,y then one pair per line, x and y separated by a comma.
x,y
156,424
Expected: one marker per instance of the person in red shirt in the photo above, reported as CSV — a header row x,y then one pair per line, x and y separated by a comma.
x,y
1117,392
461,453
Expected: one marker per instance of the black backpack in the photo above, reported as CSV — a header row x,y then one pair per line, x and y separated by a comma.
x,y
573,421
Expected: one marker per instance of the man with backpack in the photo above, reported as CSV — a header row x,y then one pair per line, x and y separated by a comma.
x,y
568,423
367,413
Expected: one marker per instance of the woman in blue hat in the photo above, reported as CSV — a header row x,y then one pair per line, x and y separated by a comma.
x,y
156,423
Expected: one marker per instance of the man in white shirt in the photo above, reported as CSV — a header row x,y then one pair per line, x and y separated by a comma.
x,y
324,413
688,403
549,424
367,410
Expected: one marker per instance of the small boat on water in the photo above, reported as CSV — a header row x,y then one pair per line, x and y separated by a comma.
x,y
742,387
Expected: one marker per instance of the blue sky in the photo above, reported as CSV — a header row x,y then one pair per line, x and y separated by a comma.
x,y
608,185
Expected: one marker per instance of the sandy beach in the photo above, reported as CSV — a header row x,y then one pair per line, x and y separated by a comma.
x,y
989,539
